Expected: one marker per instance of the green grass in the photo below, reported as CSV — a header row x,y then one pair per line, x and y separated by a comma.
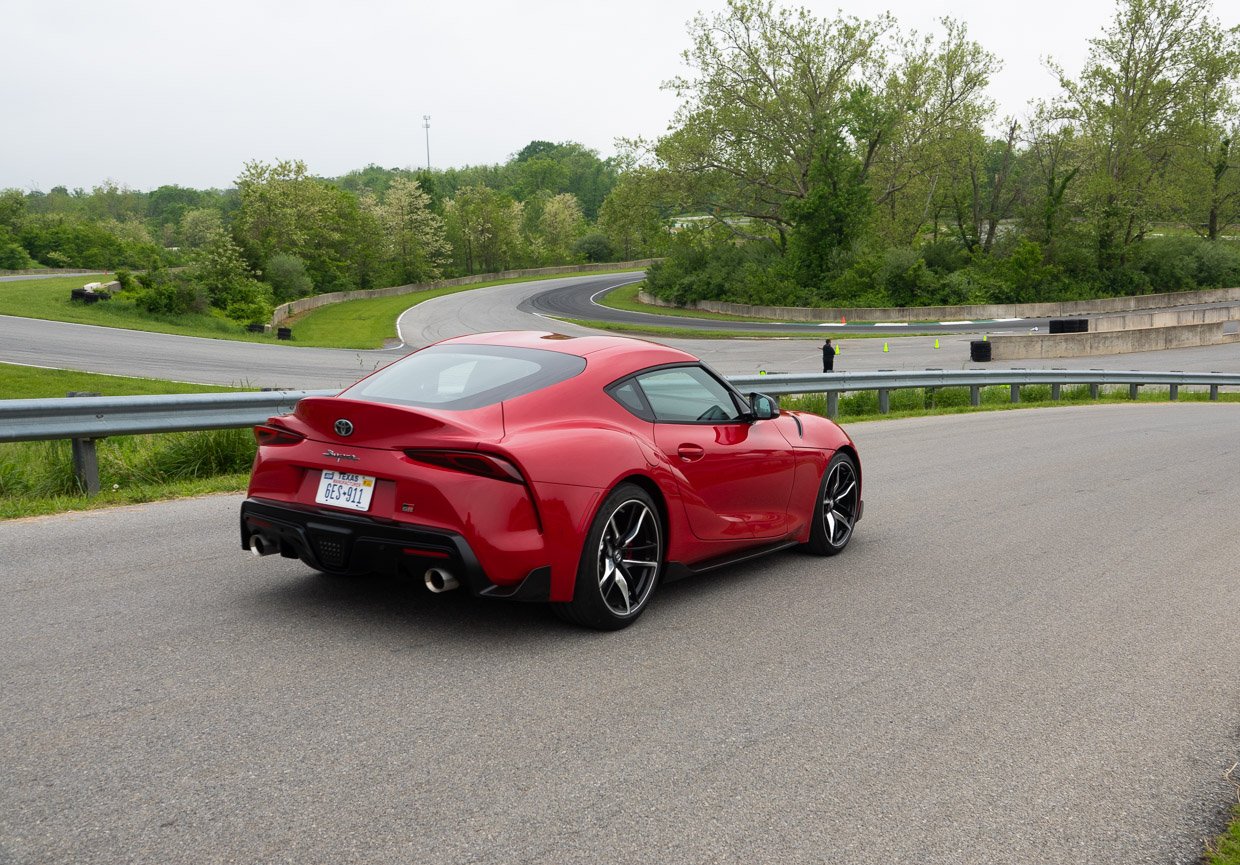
x,y
625,298
367,324
33,382
49,299
37,477
360,324
924,402
1225,850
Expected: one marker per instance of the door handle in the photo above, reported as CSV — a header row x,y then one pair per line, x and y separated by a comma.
x,y
690,452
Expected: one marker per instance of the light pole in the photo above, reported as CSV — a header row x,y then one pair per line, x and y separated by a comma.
x,y
426,124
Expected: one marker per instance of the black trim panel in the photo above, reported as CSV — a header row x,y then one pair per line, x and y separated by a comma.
x,y
340,543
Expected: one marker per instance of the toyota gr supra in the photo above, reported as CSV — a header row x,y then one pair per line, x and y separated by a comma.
x,y
578,471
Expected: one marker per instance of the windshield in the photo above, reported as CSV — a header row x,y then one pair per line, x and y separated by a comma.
x,y
460,377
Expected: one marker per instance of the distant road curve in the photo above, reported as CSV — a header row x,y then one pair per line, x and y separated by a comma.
x,y
581,301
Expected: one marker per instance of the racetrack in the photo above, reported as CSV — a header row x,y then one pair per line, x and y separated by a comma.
x,y
504,307
1026,655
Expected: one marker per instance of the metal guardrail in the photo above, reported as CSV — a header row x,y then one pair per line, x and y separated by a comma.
x,y
94,417
885,381
83,419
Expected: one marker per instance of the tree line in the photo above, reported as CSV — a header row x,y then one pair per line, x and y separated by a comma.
x,y
844,161
812,161
282,232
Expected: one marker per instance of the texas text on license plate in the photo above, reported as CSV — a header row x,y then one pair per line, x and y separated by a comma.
x,y
345,490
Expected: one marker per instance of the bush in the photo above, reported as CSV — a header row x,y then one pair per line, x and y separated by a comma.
x,y
126,279
906,280
286,274
13,255
163,293
594,247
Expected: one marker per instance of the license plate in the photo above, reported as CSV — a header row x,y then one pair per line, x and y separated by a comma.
x,y
344,490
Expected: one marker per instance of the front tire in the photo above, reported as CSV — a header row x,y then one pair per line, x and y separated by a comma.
x,y
835,513
620,564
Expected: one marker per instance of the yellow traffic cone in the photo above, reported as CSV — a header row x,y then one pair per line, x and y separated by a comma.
x,y
885,346
985,337
936,343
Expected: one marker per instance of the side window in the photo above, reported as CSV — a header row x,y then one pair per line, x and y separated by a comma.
x,y
628,395
688,394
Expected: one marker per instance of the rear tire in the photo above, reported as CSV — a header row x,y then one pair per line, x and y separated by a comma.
x,y
835,513
620,564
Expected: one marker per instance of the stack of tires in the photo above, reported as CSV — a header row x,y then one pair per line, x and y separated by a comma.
x,y
979,351
1069,325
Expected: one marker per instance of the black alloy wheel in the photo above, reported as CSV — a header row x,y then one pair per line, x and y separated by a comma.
x,y
620,563
835,514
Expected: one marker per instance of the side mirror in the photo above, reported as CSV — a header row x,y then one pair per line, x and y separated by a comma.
x,y
764,407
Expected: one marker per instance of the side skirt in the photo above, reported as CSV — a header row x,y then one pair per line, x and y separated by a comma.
x,y
678,571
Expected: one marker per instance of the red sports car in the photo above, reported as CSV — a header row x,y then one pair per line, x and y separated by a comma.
x,y
580,471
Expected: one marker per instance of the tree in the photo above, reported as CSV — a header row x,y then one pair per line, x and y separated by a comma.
x,y
634,215
485,229
931,104
199,226
770,87
285,210
560,225
221,270
415,237
1134,104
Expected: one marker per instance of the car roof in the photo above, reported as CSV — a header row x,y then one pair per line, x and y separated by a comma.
x,y
582,346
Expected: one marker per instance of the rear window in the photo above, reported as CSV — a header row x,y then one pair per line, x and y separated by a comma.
x,y
464,377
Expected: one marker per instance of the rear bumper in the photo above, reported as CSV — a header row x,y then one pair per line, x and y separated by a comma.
x,y
340,543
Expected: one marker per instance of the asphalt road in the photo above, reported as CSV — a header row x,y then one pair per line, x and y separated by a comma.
x,y
581,302
505,307
1038,670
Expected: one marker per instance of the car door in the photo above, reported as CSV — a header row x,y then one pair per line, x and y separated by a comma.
x,y
735,474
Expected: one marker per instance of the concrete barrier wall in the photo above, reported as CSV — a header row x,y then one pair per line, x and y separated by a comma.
x,y
965,313
1024,346
1169,318
286,311
51,271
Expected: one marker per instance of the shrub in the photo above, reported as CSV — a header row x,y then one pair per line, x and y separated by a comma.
x,y
594,247
286,274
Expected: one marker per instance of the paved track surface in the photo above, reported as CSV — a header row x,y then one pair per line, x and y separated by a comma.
x,y
506,307
1038,670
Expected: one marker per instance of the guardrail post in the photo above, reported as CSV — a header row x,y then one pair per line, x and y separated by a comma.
x,y
1015,393
85,459
1055,391
1093,390
1214,392
1174,392
833,404
884,400
1132,390
975,395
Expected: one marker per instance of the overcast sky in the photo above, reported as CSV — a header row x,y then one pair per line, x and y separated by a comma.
x,y
147,93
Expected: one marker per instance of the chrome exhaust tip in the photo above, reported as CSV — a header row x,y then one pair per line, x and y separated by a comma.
x,y
258,546
438,580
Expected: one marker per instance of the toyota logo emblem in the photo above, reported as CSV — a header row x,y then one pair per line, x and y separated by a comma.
x,y
344,428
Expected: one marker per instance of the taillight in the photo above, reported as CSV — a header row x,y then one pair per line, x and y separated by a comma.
x,y
470,462
273,435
